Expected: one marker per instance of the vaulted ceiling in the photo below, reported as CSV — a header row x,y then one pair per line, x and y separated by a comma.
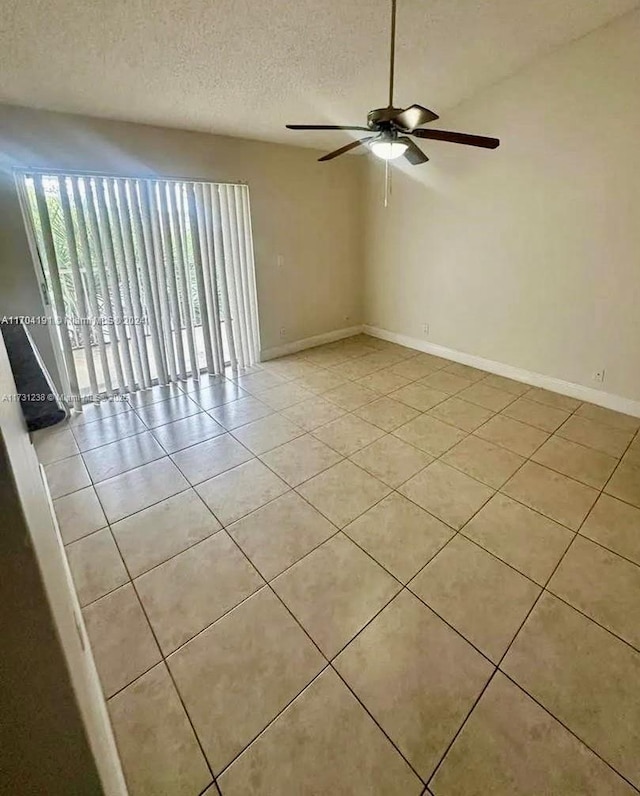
x,y
246,67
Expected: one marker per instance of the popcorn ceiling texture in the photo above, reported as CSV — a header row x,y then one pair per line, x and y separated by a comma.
x,y
246,67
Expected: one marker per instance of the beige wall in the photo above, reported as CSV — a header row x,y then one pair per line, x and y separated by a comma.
x,y
305,211
528,255
44,749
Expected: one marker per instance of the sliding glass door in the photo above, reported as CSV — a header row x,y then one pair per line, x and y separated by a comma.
x,y
149,281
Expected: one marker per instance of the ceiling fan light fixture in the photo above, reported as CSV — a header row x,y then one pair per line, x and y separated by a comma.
x,y
392,129
388,150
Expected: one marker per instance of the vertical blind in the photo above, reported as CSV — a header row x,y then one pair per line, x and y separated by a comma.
x,y
150,280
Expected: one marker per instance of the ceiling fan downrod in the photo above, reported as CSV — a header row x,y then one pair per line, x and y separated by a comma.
x,y
392,49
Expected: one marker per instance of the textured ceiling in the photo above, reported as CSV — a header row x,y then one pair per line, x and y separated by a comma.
x,y
246,67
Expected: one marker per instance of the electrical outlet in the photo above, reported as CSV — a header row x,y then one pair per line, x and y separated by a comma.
x,y
283,332
598,375
425,328
280,261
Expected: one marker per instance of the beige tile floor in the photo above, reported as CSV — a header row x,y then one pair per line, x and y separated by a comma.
x,y
360,569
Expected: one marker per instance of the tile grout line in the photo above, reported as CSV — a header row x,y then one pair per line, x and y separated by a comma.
x,y
568,729
257,456
500,662
591,619
193,487
496,669
496,490
163,661
324,656
456,531
370,621
324,668
515,636
268,584
412,381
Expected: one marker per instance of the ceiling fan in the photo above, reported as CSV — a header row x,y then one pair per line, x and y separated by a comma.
x,y
391,127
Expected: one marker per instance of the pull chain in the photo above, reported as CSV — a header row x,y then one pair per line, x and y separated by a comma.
x,y
388,184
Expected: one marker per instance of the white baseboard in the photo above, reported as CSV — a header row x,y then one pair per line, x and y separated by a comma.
x,y
308,342
616,402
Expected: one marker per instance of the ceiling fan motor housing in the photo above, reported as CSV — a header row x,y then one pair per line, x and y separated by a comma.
x,y
381,118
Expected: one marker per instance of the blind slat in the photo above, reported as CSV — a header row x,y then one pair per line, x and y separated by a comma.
x,y
58,298
72,251
197,258
133,288
146,254
224,288
85,253
232,278
117,327
114,346
129,335
238,266
251,272
161,282
211,274
172,287
201,216
174,206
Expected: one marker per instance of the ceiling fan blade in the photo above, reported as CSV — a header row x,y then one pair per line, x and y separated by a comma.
x,y
414,116
322,127
458,138
345,148
413,154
